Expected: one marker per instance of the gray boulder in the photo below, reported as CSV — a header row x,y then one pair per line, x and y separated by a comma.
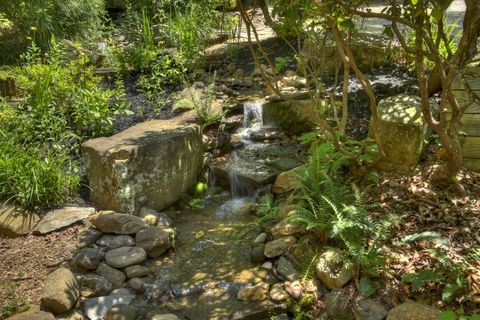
x,y
286,269
332,277
278,247
112,241
369,309
155,240
125,256
121,312
413,311
15,222
94,285
116,277
97,308
61,291
88,237
402,131
61,218
118,223
89,258
136,271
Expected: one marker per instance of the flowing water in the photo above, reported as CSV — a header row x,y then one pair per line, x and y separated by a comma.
x,y
200,279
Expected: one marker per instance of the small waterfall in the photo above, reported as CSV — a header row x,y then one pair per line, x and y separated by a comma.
x,y
239,187
252,114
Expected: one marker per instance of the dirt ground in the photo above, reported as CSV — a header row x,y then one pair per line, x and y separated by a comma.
x,y
29,259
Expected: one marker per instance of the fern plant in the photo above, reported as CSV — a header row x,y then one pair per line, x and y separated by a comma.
x,y
336,212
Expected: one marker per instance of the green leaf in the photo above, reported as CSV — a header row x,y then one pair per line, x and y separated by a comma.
x,y
366,287
449,290
447,315
418,280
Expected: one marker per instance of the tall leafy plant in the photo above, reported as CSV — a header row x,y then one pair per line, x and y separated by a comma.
x,y
39,20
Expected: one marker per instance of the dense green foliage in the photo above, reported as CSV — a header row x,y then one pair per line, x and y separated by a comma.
x,y
336,212
38,20
63,104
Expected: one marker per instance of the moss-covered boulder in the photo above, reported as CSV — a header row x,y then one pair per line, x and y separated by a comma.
x,y
297,117
403,132
148,165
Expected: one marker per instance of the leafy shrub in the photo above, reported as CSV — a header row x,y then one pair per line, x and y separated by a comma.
x,y
165,72
452,275
207,112
35,178
41,19
62,104
336,212
64,98
14,303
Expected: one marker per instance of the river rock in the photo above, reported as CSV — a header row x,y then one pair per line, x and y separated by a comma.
x,y
154,218
261,238
33,313
155,240
259,312
278,247
89,258
97,308
150,164
294,81
61,291
332,277
149,215
61,218
369,309
137,284
256,254
295,289
258,292
413,311
94,285
287,227
115,241
286,181
72,315
338,305
136,271
121,312
286,269
88,237
118,223
278,293
297,117
164,317
117,278
403,132
125,256
306,248
15,222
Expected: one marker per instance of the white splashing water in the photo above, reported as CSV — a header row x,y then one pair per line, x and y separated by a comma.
x,y
252,114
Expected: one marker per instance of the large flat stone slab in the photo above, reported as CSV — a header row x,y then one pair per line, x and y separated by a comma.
x,y
149,165
15,222
61,218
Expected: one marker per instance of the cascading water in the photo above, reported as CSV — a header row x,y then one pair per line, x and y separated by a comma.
x,y
252,114
252,121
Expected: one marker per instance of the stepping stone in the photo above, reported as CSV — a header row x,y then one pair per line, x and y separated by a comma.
x,y
60,218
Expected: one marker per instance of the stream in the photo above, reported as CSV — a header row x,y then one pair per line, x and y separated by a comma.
x,y
200,279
